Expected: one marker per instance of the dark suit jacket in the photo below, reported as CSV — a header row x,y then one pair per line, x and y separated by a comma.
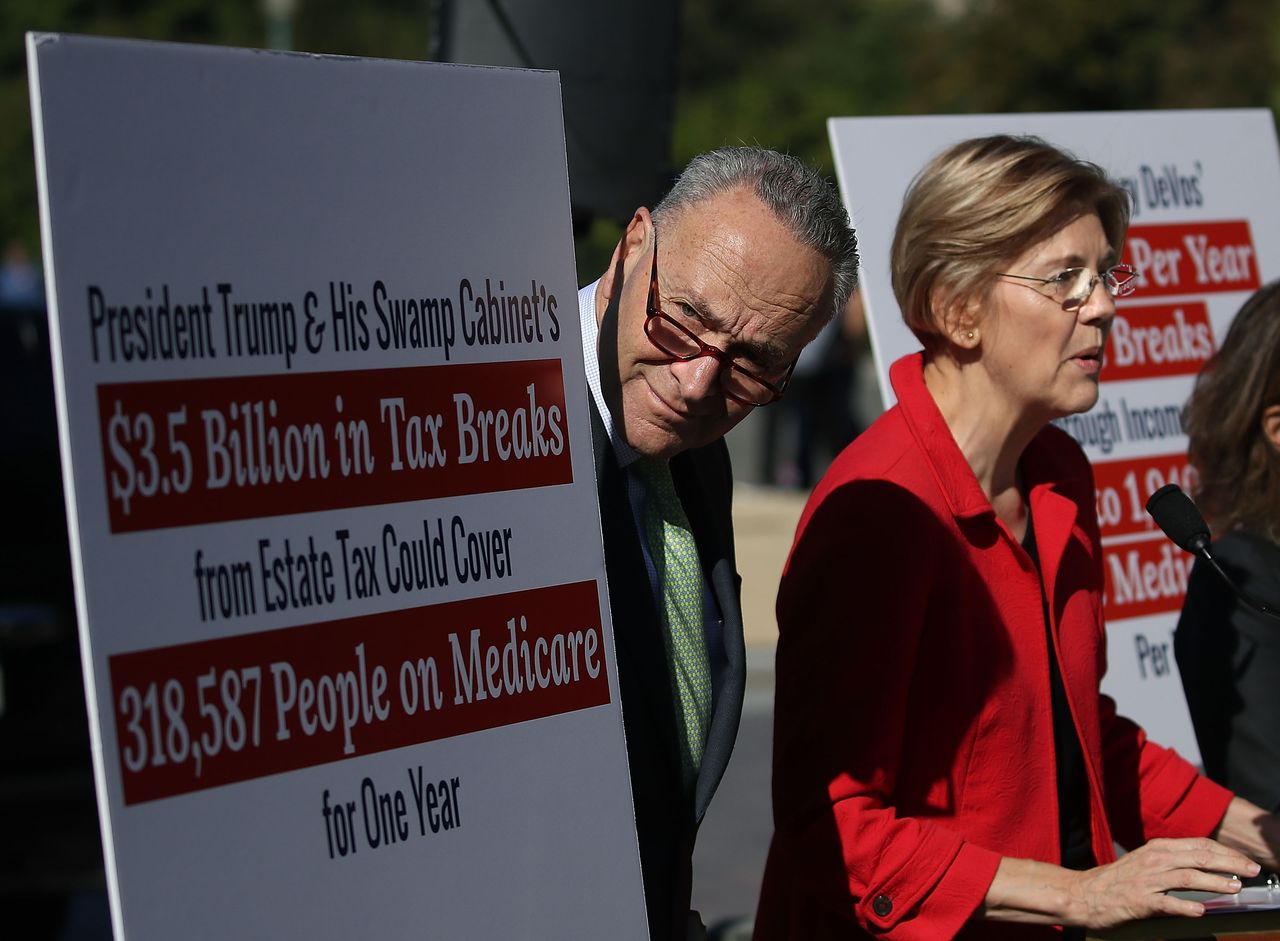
x,y
1229,658
667,818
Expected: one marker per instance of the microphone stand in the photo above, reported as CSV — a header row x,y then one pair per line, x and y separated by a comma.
x,y
1177,516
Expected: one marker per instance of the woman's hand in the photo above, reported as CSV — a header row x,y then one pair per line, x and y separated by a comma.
x,y
1131,888
1135,885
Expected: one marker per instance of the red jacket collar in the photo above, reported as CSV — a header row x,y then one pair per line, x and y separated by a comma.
x,y
955,477
1050,466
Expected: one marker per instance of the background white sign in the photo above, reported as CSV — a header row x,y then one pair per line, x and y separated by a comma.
x,y
323,414
1205,187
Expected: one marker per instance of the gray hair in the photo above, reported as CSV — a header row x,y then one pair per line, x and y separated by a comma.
x,y
796,195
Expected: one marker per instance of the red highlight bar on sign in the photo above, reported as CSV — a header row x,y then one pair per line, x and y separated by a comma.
x,y
1144,578
184,452
1159,340
211,713
1193,257
1122,489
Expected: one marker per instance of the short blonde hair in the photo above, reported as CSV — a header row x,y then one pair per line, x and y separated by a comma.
x,y
978,206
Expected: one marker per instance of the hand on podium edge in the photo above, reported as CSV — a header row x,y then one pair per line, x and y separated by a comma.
x,y
1132,888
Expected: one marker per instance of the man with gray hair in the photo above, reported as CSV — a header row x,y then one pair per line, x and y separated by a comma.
x,y
757,255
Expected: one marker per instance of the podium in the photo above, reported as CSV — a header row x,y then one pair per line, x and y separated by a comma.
x,y
1253,925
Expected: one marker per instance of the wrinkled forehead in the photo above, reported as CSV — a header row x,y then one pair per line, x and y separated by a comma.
x,y
732,253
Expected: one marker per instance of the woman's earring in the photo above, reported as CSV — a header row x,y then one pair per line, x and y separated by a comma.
x,y
969,335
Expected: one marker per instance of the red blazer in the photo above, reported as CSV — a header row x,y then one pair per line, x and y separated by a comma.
x,y
913,738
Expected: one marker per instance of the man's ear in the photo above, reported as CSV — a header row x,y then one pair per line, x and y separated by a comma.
x,y
629,248
1271,425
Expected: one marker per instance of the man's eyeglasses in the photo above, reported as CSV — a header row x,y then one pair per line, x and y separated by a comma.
x,y
1071,287
740,383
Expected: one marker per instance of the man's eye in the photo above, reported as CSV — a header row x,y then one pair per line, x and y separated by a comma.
x,y
690,320
770,372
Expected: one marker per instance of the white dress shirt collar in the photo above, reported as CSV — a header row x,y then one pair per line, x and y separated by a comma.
x,y
625,454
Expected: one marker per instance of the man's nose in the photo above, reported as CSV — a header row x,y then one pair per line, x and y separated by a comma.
x,y
699,378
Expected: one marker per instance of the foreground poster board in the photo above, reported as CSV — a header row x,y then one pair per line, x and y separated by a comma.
x,y
1205,188
336,547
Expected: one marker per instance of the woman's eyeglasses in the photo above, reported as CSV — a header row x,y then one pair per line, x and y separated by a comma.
x,y
1071,287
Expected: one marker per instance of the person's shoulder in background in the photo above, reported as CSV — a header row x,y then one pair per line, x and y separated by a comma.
x,y
1253,561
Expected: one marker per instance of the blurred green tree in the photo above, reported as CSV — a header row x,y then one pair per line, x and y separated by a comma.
x,y
232,22
761,71
773,71
388,28
1122,56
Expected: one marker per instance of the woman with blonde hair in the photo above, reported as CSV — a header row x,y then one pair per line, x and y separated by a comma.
x,y
944,762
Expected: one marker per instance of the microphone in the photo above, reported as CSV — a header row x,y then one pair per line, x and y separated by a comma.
x,y
1174,513
1179,519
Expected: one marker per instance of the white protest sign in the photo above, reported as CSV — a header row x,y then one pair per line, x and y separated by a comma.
x,y
1205,187
337,555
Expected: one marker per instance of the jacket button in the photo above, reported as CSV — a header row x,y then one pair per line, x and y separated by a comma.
x,y
882,906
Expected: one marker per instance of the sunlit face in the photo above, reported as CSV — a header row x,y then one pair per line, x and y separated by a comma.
x,y
734,276
1044,359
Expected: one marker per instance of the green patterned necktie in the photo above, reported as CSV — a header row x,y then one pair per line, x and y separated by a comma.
x,y
675,558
